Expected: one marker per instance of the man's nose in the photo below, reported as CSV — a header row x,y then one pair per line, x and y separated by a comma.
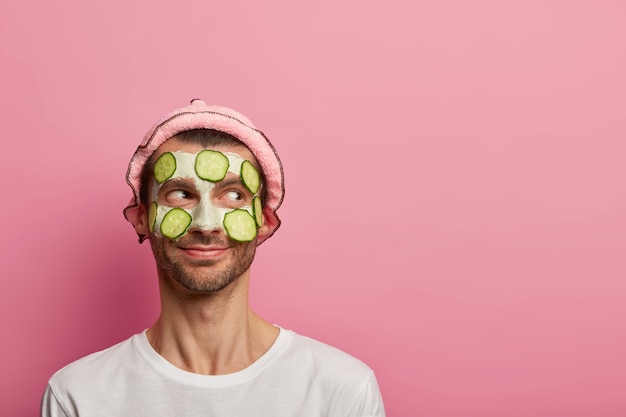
x,y
206,218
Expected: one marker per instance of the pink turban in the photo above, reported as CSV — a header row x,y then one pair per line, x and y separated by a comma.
x,y
200,116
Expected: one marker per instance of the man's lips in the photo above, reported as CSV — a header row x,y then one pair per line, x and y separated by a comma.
x,y
198,251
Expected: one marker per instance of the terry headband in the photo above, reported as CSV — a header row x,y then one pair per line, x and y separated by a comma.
x,y
198,115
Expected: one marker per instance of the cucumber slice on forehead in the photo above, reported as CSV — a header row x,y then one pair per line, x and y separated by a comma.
x,y
211,165
152,215
250,176
258,211
175,223
164,167
240,225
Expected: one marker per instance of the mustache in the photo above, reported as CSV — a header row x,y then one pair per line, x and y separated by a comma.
x,y
204,240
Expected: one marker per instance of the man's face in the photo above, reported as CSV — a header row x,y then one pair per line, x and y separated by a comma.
x,y
202,218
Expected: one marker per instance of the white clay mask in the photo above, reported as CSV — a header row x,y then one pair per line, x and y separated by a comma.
x,y
184,195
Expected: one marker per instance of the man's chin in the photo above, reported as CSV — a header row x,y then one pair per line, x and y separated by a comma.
x,y
199,280
201,263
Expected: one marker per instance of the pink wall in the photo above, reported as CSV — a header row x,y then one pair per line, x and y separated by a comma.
x,y
456,198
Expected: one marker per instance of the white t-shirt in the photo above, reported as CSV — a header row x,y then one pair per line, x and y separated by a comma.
x,y
296,377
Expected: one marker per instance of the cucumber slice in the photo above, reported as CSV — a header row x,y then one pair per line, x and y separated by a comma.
x,y
240,225
152,215
164,167
175,223
211,165
258,211
250,176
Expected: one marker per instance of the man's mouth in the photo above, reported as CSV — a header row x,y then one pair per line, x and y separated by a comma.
x,y
204,252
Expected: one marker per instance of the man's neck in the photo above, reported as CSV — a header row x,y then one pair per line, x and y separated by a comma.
x,y
214,334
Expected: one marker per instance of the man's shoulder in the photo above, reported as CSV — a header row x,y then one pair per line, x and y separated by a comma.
x,y
325,357
94,365
343,384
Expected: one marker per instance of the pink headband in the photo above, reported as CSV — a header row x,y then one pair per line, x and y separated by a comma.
x,y
200,116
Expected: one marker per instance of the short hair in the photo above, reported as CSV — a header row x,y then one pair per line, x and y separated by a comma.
x,y
206,138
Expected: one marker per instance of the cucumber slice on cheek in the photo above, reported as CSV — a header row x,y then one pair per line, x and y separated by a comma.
x,y
211,165
175,223
152,215
164,167
240,225
258,211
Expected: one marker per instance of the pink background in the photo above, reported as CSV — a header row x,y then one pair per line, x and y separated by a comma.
x,y
456,198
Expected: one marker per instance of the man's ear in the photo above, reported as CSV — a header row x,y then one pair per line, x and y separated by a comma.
x,y
142,227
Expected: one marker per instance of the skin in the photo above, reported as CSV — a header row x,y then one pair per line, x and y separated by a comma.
x,y
206,325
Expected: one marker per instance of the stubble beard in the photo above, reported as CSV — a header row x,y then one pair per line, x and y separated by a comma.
x,y
202,276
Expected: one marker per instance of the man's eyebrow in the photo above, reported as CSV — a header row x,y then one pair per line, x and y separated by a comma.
x,y
230,181
178,182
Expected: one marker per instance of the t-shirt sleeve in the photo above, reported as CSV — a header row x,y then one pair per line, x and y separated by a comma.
x,y
50,406
369,402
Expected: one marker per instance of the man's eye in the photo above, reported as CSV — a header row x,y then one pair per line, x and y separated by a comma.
x,y
177,195
234,195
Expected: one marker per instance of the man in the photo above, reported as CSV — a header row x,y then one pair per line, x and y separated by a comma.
x,y
206,186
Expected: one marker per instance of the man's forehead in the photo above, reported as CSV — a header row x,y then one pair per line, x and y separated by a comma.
x,y
174,145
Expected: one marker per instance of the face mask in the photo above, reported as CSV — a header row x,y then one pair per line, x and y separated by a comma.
x,y
194,191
